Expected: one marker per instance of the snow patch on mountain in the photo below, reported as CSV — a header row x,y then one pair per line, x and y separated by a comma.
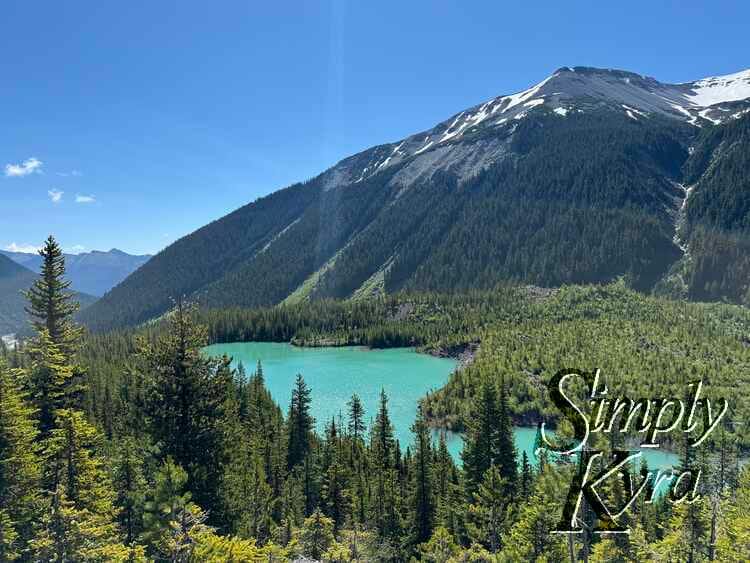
x,y
720,89
515,99
568,91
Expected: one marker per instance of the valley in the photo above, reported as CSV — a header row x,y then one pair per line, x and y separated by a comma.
x,y
354,367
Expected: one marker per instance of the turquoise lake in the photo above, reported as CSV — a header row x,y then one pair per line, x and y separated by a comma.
x,y
335,373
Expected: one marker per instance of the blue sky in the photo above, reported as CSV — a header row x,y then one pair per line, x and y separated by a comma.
x,y
130,124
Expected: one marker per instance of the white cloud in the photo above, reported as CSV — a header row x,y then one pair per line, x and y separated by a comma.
x,y
76,249
55,195
26,248
85,198
28,166
71,173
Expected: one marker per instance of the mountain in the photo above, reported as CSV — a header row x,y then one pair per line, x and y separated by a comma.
x,y
589,175
14,279
93,273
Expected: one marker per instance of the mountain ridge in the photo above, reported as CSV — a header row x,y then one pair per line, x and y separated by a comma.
x,y
94,272
582,171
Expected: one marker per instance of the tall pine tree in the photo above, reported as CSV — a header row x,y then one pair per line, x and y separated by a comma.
x,y
51,305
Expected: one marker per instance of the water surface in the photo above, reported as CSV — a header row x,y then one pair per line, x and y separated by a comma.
x,y
335,373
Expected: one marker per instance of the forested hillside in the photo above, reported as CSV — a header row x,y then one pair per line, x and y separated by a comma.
x,y
134,446
716,226
588,176
13,280
582,200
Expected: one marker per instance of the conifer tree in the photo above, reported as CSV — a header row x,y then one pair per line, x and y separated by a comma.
x,y
386,498
75,464
317,535
20,475
10,547
300,424
443,469
245,494
488,511
68,533
506,457
441,548
733,542
55,382
81,521
51,305
527,477
382,433
168,498
130,485
356,417
528,538
185,400
423,502
480,443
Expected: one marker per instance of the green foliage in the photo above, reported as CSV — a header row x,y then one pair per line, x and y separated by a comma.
x,y
316,535
423,500
168,498
300,424
185,397
734,534
70,533
51,305
20,473
112,488
587,199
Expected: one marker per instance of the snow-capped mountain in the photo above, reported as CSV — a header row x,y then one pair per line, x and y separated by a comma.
x,y
567,91
589,175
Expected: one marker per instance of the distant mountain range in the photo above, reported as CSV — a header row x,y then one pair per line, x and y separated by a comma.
x,y
93,272
589,175
14,280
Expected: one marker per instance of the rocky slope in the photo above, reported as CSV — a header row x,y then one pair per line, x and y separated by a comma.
x,y
580,178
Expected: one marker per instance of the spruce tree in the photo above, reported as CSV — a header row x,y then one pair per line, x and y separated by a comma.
x,y
382,459
300,424
383,442
356,417
480,450
74,463
317,535
67,533
131,487
488,511
51,305
80,523
54,382
245,494
185,401
20,475
423,502
168,498
505,457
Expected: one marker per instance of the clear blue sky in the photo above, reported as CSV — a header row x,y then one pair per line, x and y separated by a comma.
x,y
160,116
